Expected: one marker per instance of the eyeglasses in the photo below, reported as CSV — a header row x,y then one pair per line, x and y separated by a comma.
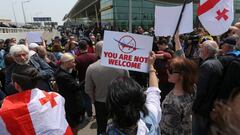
x,y
171,71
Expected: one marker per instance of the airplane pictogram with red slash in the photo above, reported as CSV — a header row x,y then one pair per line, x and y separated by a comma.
x,y
127,44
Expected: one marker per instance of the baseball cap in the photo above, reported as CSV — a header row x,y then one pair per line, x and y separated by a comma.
x,y
230,41
33,45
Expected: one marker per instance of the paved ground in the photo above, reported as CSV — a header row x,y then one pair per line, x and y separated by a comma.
x,y
88,127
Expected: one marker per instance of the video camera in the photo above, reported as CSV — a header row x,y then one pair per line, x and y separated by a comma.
x,y
195,39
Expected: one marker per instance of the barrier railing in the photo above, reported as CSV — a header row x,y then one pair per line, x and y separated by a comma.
x,y
17,30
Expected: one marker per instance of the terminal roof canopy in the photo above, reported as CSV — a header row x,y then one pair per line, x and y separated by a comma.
x,y
81,8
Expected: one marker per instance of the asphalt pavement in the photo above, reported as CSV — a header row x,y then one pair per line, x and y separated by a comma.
x,y
88,127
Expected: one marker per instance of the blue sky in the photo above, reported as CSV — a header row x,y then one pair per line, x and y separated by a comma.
x,y
35,8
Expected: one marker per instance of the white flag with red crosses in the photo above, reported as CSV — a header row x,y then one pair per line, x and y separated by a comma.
x,y
34,112
216,15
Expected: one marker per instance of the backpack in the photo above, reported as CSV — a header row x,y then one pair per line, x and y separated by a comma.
x,y
149,120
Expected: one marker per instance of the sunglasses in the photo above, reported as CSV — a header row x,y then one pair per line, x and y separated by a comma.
x,y
171,71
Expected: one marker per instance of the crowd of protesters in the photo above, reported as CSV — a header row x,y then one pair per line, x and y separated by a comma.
x,y
192,86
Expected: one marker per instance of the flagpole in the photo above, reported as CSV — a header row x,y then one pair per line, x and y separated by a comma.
x,y
178,24
130,17
180,17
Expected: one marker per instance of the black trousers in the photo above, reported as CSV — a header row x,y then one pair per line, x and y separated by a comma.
x,y
101,117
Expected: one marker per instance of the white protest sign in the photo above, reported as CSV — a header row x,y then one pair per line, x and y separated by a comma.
x,y
166,19
34,37
126,51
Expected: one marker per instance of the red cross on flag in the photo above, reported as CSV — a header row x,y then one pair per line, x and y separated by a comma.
x,y
216,15
33,112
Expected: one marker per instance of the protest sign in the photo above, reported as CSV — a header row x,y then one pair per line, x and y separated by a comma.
x,y
166,20
34,37
126,51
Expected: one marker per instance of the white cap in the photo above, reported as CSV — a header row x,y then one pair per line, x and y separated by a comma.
x,y
33,45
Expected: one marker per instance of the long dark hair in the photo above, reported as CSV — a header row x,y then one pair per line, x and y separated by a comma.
x,y
125,101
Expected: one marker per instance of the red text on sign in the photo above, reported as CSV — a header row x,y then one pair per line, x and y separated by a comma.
x,y
121,63
110,55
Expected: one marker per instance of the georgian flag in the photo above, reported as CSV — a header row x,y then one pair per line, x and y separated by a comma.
x,y
34,112
216,15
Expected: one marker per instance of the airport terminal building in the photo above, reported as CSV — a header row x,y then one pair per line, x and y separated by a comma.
x,y
115,13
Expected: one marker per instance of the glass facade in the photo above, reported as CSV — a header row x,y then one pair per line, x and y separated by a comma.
x,y
115,13
106,6
237,10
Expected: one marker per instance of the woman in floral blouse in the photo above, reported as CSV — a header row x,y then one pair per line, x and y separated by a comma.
x,y
176,108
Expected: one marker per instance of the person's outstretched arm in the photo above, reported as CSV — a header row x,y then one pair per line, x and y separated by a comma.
x,y
178,47
153,80
153,92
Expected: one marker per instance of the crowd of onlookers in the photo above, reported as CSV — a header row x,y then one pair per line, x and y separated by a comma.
x,y
192,86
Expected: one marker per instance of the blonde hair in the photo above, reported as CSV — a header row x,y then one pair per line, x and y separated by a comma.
x,y
98,48
66,57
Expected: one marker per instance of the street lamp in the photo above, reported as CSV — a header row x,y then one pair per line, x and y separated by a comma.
x,y
14,14
24,16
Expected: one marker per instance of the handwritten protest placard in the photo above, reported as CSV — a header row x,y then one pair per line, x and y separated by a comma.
x,y
34,37
126,51
166,19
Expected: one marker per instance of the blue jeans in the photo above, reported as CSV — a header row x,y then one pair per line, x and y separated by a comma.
x,y
88,105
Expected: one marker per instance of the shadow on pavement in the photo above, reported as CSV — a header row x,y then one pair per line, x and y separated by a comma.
x,y
93,125
83,124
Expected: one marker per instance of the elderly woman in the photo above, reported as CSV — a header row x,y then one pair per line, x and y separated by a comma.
x,y
132,111
70,90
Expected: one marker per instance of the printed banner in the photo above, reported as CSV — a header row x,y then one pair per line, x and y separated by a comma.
x,y
126,51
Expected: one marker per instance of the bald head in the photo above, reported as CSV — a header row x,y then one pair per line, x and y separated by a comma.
x,y
42,52
98,48
234,30
237,25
